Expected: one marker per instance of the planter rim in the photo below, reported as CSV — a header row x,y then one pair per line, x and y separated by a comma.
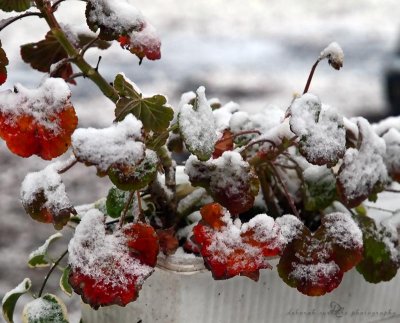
x,y
181,264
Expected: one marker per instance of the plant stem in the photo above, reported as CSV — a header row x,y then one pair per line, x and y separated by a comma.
x,y
68,165
6,22
122,219
311,76
141,214
50,272
47,12
287,194
392,190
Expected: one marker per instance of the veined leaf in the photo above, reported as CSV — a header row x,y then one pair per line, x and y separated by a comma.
x,y
15,5
48,308
152,111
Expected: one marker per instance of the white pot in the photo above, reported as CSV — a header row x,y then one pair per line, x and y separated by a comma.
x,y
183,292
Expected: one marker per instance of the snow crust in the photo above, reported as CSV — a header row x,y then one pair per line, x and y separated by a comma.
x,y
116,144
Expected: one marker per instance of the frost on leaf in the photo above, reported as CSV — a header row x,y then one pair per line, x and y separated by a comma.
x,y
314,263
320,130
115,146
120,20
39,121
110,268
3,64
135,177
15,5
44,199
230,248
48,308
363,171
228,179
153,111
197,126
391,157
381,258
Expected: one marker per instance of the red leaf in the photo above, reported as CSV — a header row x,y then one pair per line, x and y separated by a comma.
x,y
3,64
110,268
230,249
36,121
168,242
223,144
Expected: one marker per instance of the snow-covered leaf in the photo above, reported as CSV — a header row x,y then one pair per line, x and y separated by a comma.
x,y
334,53
314,263
116,201
39,121
230,248
197,126
363,171
152,111
110,268
135,177
320,130
10,299
38,257
229,180
15,5
44,199
380,258
48,308
117,145
391,157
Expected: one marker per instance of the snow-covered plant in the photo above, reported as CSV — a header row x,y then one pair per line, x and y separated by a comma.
x,y
280,183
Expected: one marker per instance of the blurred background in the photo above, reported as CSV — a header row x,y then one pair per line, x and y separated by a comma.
x,y
256,52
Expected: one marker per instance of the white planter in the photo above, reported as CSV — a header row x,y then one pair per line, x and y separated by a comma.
x,y
183,292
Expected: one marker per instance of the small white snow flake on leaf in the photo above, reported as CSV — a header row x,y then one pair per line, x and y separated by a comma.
x,y
10,299
38,257
229,180
363,171
44,198
322,136
197,126
314,262
230,248
48,308
334,53
110,268
116,145
392,155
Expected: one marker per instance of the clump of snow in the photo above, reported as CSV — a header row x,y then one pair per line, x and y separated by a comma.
x,y
197,125
104,257
45,309
342,230
120,16
198,197
290,226
223,114
392,155
42,104
385,125
315,273
49,183
320,129
363,168
116,144
392,225
145,39
334,54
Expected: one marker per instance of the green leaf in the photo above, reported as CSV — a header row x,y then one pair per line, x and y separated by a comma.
x,y
48,308
152,111
116,201
378,264
10,299
64,283
85,39
135,177
319,189
15,5
38,257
